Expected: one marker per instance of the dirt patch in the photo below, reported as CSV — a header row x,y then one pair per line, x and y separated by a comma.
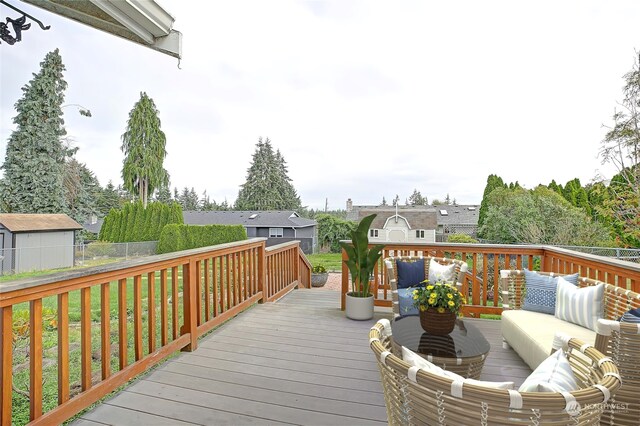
x,y
334,282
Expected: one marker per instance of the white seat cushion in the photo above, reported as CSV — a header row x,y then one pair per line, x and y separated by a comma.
x,y
531,334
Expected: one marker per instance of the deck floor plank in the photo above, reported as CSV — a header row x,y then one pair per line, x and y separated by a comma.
x,y
296,361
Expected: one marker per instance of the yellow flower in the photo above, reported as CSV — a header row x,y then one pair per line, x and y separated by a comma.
x,y
429,287
432,301
423,308
415,297
451,303
433,295
441,310
460,293
448,284
450,296
415,292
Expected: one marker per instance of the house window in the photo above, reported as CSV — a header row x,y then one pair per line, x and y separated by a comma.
x,y
420,233
373,233
275,233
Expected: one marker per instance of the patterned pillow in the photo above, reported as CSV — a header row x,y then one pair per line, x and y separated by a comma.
x,y
632,315
440,273
541,291
554,374
416,360
582,306
410,273
405,302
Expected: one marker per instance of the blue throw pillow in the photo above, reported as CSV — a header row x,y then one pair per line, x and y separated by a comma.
x,y
405,302
632,316
410,273
541,291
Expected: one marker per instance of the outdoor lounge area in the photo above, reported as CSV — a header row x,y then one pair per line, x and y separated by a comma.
x,y
258,344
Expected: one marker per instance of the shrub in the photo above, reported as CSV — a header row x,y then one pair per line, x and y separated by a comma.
x,y
318,269
135,223
176,237
461,238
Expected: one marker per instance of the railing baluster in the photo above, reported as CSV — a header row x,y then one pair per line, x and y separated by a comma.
x,y
197,288
228,283
174,300
105,331
151,310
6,364
63,348
137,317
122,323
215,288
85,337
207,292
35,359
164,308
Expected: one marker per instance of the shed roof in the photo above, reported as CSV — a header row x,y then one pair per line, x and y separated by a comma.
x,y
27,222
249,219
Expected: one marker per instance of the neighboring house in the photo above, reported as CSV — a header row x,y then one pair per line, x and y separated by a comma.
x,y
417,223
457,219
31,242
404,224
93,225
277,226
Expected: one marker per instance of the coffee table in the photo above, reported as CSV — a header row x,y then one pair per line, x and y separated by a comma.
x,y
463,351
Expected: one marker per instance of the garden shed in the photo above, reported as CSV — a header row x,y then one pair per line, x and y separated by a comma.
x,y
31,242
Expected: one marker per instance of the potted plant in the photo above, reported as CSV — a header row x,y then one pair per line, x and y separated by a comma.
x,y
439,305
319,276
361,261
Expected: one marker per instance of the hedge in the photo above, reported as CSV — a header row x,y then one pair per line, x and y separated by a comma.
x,y
176,237
135,223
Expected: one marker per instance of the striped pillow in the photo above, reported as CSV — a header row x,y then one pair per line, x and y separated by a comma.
x,y
554,374
542,291
582,306
632,316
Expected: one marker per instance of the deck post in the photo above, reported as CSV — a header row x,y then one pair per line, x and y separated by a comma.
x,y
191,313
262,270
6,367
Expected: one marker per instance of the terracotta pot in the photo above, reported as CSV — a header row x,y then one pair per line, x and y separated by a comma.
x,y
436,323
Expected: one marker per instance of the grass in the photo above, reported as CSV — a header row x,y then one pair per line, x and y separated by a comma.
x,y
331,261
32,274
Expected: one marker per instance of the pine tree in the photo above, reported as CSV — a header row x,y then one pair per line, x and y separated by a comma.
x,y
34,162
82,190
107,199
384,201
447,200
493,182
143,144
416,199
268,186
163,194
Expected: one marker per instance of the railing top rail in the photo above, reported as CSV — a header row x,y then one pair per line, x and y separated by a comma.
x,y
617,263
444,246
27,283
282,246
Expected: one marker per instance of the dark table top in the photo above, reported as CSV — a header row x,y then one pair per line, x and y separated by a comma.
x,y
464,341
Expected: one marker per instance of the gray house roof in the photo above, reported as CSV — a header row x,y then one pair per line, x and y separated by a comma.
x,y
422,217
31,222
249,219
457,214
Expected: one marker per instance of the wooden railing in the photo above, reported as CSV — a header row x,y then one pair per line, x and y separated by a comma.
x,y
132,315
485,262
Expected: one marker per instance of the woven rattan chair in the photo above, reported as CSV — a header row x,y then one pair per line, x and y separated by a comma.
x,y
621,341
415,396
392,273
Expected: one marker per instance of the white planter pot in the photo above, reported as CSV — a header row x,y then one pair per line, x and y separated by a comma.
x,y
359,308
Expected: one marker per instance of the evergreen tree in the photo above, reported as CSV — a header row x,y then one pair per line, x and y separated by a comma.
x,y
447,200
163,194
107,199
143,144
416,199
268,186
82,190
34,162
493,182
384,201
396,200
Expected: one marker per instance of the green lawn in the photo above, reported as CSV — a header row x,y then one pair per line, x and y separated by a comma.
x,y
331,261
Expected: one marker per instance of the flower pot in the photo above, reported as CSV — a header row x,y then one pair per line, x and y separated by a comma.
x,y
359,308
318,280
436,323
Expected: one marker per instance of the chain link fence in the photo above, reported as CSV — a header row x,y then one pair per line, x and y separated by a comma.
x,y
629,254
31,259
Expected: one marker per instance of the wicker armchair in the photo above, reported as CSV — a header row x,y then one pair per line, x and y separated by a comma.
x,y
415,396
621,341
392,273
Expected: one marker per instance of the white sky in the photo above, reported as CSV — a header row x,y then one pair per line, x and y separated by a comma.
x,y
363,98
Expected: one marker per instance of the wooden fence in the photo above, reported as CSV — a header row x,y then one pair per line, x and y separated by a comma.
x,y
485,262
132,315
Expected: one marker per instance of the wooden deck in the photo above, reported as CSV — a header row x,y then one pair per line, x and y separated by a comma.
x,y
297,361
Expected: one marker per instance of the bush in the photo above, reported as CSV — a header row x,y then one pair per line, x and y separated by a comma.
x,y
318,269
176,237
461,238
135,223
